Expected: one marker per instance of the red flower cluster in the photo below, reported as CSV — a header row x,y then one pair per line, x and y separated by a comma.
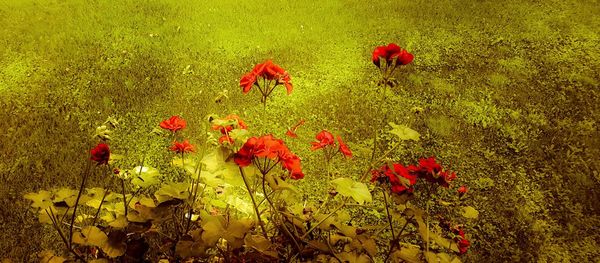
x,y
173,124
291,132
325,139
462,190
398,176
182,147
403,178
100,153
432,171
462,242
274,149
226,125
269,71
391,52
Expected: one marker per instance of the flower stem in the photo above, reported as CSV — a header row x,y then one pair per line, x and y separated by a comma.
x,y
195,187
260,222
387,211
85,176
124,196
62,236
323,220
100,207
274,211
374,150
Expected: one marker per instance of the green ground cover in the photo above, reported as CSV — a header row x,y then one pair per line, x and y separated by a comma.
x,y
505,91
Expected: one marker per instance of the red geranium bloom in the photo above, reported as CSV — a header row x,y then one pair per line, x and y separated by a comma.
x,y
182,147
462,242
291,162
324,138
391,52
463,245
269,71
432,171
173,124
291,132
274,149
100,153
462,190
399,177
226,125
245,155
344,148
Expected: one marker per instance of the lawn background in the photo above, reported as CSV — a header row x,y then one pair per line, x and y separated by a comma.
x,y
506,92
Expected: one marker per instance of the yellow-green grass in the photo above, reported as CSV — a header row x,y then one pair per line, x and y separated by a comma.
x,y
509,92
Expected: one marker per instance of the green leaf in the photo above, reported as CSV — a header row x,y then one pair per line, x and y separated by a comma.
x,y
145,177
218,203
119,222
172,191
48,256
190,164
354,257
357,190
214,160
69,196
217,170
261,245
241,135
407,254
213,229
470,212
429,234
240,204
115,244
90,236
403,132
440,258
41,199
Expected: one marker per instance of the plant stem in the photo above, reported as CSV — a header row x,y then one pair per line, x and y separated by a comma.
x,y
99,207
273,211
377,112
85,176
379,160
62,236
124,196
323,220
260,222
197,184
387,211
395,242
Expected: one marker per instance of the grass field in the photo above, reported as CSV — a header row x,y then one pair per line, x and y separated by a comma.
x,y
509,92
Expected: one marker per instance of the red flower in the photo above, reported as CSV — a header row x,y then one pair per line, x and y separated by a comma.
x,y
274,149
462,242
247,81
269,71
226,125
399,178
463,245
245,155
391,52
462,190
291,132
100,153
344,148
432,172
291,162
173,124
182,147
324,138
